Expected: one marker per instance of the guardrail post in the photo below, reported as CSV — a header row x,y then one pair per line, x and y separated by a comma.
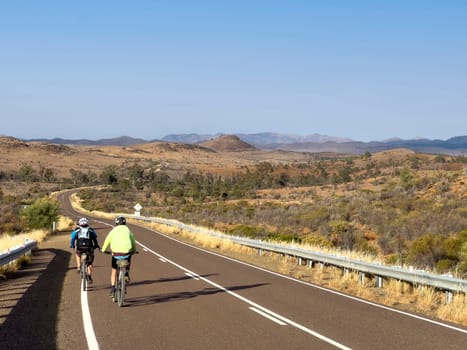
x,y
310,264
260,252
346,272
321,266
299,261
379,282
449,297
361,277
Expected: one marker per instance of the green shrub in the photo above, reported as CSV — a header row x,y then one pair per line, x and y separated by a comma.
x,y
317,240
392,259
247,231
284,237
41,214
445,265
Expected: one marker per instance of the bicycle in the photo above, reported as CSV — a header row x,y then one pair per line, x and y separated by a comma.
x,y
120,283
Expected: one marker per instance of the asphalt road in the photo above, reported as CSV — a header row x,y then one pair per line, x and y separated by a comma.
x,y
182,297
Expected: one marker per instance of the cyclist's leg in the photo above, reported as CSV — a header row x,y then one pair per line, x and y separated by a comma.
x,y
113,275
78,260
90,261
79,252
129,262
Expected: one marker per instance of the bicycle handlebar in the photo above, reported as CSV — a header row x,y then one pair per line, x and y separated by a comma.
x,y
110,253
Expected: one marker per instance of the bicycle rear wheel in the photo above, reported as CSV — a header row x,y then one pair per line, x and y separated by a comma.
x,y
84,278
121,287
84,272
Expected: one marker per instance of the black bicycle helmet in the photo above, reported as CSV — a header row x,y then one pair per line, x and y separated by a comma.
x,y
120,220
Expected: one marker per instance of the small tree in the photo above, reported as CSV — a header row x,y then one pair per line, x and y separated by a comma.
x,y
427,250
41,214
27,173
109,175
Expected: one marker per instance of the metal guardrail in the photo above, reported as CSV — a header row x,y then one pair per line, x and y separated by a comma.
x,y
415,277
16,252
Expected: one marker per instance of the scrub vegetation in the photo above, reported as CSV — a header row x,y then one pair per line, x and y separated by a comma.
x,y
410,211
397,207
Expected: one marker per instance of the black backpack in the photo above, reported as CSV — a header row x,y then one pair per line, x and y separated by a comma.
x,y
84,237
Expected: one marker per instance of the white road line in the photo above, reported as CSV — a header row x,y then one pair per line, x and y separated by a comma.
x,y
87,322
257,306
279,322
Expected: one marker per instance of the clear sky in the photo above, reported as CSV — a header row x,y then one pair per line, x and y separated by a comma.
x,y
366,70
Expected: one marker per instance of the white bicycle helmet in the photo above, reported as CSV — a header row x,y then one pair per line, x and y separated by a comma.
x,y
83,222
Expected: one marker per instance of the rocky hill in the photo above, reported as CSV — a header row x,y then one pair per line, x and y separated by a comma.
x,y
228,143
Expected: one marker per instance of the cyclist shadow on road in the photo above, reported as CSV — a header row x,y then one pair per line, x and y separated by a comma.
x,y
148,282
163,298
170,279
32,322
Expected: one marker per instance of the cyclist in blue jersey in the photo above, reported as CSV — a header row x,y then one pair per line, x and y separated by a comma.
x,y
84,239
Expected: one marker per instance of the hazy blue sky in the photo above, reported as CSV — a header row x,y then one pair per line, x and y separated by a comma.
x,y
367,70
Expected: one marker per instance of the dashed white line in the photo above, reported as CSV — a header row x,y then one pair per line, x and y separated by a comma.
x,y
255,305
319,287
273,319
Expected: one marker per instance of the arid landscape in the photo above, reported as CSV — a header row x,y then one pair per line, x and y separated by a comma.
x,y
225,156
396,206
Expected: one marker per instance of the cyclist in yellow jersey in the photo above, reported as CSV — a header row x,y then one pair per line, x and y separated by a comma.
x,y
122,244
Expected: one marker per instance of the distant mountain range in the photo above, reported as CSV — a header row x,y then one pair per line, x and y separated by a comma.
x,y
259,139
309,143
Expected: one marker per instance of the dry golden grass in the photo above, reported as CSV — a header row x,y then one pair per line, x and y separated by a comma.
x,y
456,311
427,298
8,241
11,241
15,265
64,223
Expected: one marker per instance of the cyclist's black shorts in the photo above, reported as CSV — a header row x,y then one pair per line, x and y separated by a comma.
x,y
114,262
88,250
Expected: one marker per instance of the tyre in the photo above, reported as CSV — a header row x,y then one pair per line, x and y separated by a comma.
x,y
121,287
84,277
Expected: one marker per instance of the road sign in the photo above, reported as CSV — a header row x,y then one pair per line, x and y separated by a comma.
x,y
138,207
